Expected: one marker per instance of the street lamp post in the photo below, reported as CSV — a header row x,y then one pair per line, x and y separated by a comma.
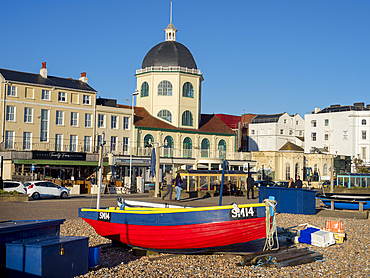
x,y
132,135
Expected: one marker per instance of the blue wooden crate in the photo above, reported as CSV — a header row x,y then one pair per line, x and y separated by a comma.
x,y
64,256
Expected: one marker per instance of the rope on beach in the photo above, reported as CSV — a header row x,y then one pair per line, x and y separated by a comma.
x,y
271,229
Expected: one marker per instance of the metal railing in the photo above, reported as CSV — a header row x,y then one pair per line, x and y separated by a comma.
x,y
169,68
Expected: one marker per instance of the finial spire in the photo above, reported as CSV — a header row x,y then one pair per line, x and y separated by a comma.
x,y
170,30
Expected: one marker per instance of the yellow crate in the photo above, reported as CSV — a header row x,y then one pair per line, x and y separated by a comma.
x,y
339,237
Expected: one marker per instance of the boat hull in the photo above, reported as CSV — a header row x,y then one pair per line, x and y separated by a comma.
x,y
344,204
183,230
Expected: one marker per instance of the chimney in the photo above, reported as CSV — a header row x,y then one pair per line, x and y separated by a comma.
x,y
83,77
317,110
44,71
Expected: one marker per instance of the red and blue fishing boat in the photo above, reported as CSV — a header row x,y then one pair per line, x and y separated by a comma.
x,y
184,230
349,201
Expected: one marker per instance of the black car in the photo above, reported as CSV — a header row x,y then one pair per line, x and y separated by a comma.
x,y
282,184
264,183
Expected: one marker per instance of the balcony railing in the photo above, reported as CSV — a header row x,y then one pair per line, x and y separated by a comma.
x,y
169,68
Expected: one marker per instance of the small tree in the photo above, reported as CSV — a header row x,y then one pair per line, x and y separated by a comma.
x,y
360,168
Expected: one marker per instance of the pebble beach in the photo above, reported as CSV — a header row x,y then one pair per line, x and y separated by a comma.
x,y
349,259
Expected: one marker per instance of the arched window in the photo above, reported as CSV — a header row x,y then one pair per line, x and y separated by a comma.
x,y
148,141
315,172
296,170
168,146
144,91
187,118
187,148
165,115
222,149
325,170
204,152
187,90
165,88
287,171
363,122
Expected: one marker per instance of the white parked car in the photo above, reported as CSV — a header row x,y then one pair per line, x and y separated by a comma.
x,y
14,186
45,189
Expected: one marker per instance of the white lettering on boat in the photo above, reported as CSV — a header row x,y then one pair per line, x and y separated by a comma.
x,y
243,213
104,216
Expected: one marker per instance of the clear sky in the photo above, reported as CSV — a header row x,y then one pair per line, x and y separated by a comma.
x,y
258,56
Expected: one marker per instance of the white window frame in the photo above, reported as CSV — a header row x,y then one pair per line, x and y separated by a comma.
x,y
9,139
313,123
27,141
62,96
87,144
45,94
125,145
113,143
73,143
313,136
363,134
59,142
86,100
10,113
326,122
326,136
74,119
59,119
114,122
12,91
28,115
101,121
126,123
88,120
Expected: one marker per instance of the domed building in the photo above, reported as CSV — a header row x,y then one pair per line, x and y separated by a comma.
x,y
168,112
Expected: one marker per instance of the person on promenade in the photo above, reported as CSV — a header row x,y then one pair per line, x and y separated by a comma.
x,y
178,187
298,183
168,178
250,185
291,183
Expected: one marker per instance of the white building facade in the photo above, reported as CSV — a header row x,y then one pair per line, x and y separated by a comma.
x,y
340,130
271,132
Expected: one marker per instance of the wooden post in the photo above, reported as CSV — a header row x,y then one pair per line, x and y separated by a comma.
x,y
361,206
332,205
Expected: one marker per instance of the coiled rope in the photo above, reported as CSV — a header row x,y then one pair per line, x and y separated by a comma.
x,y
270,227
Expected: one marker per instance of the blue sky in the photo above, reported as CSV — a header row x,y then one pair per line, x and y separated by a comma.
x,y
260,57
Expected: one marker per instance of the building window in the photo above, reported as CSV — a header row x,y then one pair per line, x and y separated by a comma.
x,y
144,91
296,170
168,146
325,170
326,136
313,123
62,97
27,141
326,123
45,95
363,149
187,148
300,133
204,152
313,136
10,113
101,120
126,123
12,91
287,171
148,140
253,131
9,140
363,135
290,132
88,120
73,143
363,122
222,149
281,131
296,122
74,119
187,118
58,142
165,88
44,125
284,121
165,115
315,169
28,115
86,100
125,145
187,90
87,144
59,118
113,122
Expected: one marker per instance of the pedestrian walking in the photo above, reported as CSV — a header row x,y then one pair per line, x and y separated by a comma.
x,y
178,187
168,178
250,185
